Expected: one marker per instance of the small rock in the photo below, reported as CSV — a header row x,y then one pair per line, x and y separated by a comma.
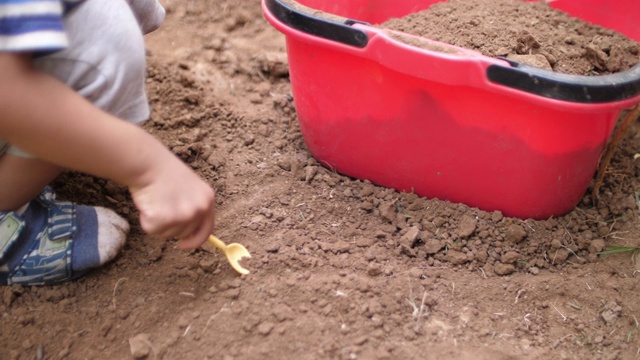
x,y
374,269
371,254
232,294
509,257
410,237
361,340
388,211
596,246
596,56
265,328
556,244
208,265
366,206
310,173
467,226
214,161
183,321
264,88
255,98
559,256
64,353
284,165
433,246
106,327
611,312
140,346
526,42
379,234
503,269
408,251
273,248
8,296
456,257
341,247
282,312
515,233
537,60
235,283
365,242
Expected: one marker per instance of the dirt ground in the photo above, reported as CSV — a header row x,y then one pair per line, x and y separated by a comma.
x,y
341,268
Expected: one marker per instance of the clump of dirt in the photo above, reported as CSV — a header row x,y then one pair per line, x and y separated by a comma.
x,y
528,32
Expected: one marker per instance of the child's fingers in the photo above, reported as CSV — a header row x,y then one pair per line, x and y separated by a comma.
x,y
181,221
197,238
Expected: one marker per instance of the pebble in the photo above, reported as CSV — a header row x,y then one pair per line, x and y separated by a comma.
x,y
467,226
611,312
596,246
433,246
374,269
509,257
496,216
388,211
537,60
8,296
208,265
515,233
456,257
273,248
63,353
310,173
410,237
140,346
365,242
283,312
361,340
503,269
232,294
265,328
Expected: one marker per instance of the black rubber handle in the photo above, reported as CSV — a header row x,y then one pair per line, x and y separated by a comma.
x,y
340,32
574,88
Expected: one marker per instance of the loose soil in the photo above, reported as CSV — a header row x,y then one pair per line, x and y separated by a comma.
x,y
341,268
529,32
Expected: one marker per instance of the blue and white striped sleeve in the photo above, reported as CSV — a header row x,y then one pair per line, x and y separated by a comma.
x,y
31,26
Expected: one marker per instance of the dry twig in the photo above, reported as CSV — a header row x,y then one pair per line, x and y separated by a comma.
x,y
608,154
113,297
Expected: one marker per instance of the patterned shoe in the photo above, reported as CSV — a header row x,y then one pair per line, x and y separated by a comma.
x,y
55,241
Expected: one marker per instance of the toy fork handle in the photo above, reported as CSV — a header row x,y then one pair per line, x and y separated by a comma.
x,y
217,242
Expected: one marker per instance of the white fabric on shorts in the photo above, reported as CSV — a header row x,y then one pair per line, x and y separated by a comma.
x,y
105,61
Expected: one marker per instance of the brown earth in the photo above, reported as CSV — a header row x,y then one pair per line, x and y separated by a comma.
x,y
527,32
341,268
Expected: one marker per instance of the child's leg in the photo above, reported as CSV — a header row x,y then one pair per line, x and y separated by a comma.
x,y
22,179
105,63
49,241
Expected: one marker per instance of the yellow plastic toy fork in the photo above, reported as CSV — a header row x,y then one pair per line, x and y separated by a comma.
x,y
234,253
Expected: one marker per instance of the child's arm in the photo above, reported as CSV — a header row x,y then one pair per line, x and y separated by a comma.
x,y
46,118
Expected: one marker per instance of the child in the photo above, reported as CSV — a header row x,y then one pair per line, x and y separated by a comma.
x,y
71,73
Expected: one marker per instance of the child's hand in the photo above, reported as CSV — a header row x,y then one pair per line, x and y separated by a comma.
x,y
174,202
172,199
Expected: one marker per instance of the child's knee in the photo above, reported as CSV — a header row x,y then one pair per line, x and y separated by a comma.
x,y
105,60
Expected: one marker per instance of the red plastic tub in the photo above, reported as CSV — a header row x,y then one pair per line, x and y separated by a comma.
x,y
450,123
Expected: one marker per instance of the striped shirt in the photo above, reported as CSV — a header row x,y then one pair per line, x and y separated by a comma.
x,y
33,25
